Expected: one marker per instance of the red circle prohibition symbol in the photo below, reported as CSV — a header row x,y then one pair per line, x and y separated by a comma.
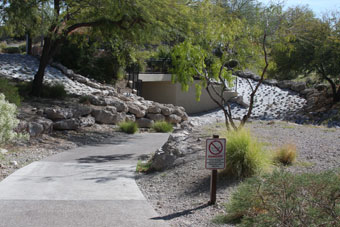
x,y
215,147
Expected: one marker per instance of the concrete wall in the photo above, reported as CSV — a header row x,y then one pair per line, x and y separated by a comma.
x,y
168,93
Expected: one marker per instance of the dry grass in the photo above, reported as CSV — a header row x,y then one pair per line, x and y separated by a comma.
x,y
286,154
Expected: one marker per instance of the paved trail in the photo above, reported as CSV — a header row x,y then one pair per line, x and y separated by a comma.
x,y
92,186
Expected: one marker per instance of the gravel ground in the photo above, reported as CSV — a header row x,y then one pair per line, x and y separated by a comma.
x,y
180,194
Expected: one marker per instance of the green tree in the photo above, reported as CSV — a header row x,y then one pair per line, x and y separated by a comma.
x,y
219,43
308,45
131,19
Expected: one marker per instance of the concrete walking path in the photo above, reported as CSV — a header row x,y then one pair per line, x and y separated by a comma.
x,y
90,186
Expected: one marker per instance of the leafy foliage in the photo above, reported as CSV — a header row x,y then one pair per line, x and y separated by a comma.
x,y
8,120
286,199
245,156
306,46
11,92
214,49
128,127
162,126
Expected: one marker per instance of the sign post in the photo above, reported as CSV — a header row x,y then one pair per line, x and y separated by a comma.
x,y
214,160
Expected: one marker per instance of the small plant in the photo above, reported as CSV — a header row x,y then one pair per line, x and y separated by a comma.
x,y
245,156
162,126
11,92
286,154
143,167
129,127
85,100
286,199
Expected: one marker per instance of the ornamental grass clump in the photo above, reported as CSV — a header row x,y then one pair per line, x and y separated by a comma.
x,y
162,126
128,127
245,156
286,199
286,154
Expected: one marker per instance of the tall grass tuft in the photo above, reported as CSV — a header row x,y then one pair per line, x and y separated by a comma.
x,y
286,154
162,126
128,127
245,156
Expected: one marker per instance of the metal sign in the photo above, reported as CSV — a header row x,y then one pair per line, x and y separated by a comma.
x,y
215,154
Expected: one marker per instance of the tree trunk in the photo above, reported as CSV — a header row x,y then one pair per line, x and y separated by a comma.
x,y
46,55
336,94
29,44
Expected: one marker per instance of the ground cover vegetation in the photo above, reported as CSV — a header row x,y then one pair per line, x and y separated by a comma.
x,y
285,199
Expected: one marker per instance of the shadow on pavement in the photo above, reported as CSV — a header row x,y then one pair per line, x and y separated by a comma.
x,y
104,158
181,213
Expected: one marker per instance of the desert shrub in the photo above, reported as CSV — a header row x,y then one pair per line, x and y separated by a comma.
x,y
162,126
8,120
286,154
129,127
11,92
85,99
286,199
11,50
245,156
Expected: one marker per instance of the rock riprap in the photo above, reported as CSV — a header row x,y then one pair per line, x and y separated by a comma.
x,y
271,102
24,67
106,106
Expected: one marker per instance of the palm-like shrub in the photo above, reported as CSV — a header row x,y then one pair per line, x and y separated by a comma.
x,y
245,156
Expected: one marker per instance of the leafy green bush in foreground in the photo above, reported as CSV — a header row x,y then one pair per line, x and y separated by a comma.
x,y
128,127
245,156
285,199
162,126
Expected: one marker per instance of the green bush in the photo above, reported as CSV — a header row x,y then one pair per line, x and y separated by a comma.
x,y
245,156
286,199
8,120
128,127
11,92
11,50
162,126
